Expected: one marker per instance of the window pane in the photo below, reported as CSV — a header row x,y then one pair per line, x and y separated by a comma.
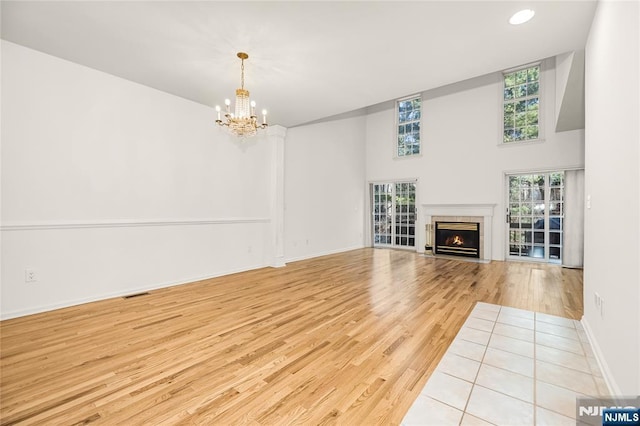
x,y
516,236
509,80
508,136
509,93
556,179
531,132
509,108
538,252
538,222
508,120
521,91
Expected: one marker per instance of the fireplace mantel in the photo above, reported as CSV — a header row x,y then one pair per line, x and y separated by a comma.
x,y
458,209
428,211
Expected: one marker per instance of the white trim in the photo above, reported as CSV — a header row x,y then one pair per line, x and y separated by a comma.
x,y
459,209
406,98
521,143
522,67
121,293
49,225
276,140
382,181
613,387
324,253
541,170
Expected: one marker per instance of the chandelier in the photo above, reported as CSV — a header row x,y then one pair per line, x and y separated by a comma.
x,y
243,122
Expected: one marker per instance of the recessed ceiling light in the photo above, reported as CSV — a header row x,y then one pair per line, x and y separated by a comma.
x,y
521,17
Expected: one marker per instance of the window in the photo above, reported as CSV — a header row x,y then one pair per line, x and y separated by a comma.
x,y
409,114
521,102
536,215
394,214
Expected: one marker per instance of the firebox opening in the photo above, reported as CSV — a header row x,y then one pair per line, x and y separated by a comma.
x,y
458,239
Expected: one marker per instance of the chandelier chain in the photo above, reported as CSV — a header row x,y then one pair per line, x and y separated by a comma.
x,y
242,74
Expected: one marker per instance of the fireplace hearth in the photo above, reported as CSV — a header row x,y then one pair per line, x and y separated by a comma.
x,y
457,239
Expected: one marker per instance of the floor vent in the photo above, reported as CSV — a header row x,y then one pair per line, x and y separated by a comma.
x,y
131,296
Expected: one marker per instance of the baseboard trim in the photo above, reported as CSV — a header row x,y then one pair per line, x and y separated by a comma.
x,y
121,293
324,253
613,387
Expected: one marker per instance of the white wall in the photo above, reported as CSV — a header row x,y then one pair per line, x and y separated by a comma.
x,y
463,161
110,187
324,188
612,180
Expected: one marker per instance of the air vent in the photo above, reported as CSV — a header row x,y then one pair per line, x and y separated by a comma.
x,y
131,296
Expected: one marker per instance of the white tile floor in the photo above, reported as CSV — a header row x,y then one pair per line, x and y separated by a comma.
x,y
509,366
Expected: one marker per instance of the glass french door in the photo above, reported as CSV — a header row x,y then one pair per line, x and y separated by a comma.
x,y
535,216
394,214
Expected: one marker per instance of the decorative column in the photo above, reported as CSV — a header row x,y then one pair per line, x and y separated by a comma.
x,y
276,135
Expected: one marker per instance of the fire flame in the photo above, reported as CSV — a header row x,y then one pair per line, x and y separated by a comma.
x,y
457,241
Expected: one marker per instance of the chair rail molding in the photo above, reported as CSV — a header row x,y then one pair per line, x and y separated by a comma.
x,y
125,223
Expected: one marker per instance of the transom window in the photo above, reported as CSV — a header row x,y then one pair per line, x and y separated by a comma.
x,y
408,119
521,102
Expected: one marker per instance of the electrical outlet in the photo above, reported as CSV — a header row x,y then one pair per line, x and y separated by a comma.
x,y
599,302
30,275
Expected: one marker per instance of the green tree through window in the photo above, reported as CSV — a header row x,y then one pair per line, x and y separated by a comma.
x,y
521,105
409,114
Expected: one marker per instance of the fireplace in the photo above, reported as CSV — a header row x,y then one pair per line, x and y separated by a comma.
x,y
458,239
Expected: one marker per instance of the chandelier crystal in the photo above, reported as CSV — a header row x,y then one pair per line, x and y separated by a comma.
x,y
243,121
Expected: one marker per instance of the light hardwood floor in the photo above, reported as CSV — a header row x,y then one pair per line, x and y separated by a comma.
x,y
349,338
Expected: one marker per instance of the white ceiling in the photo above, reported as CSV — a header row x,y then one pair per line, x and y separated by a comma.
x,y
308,60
